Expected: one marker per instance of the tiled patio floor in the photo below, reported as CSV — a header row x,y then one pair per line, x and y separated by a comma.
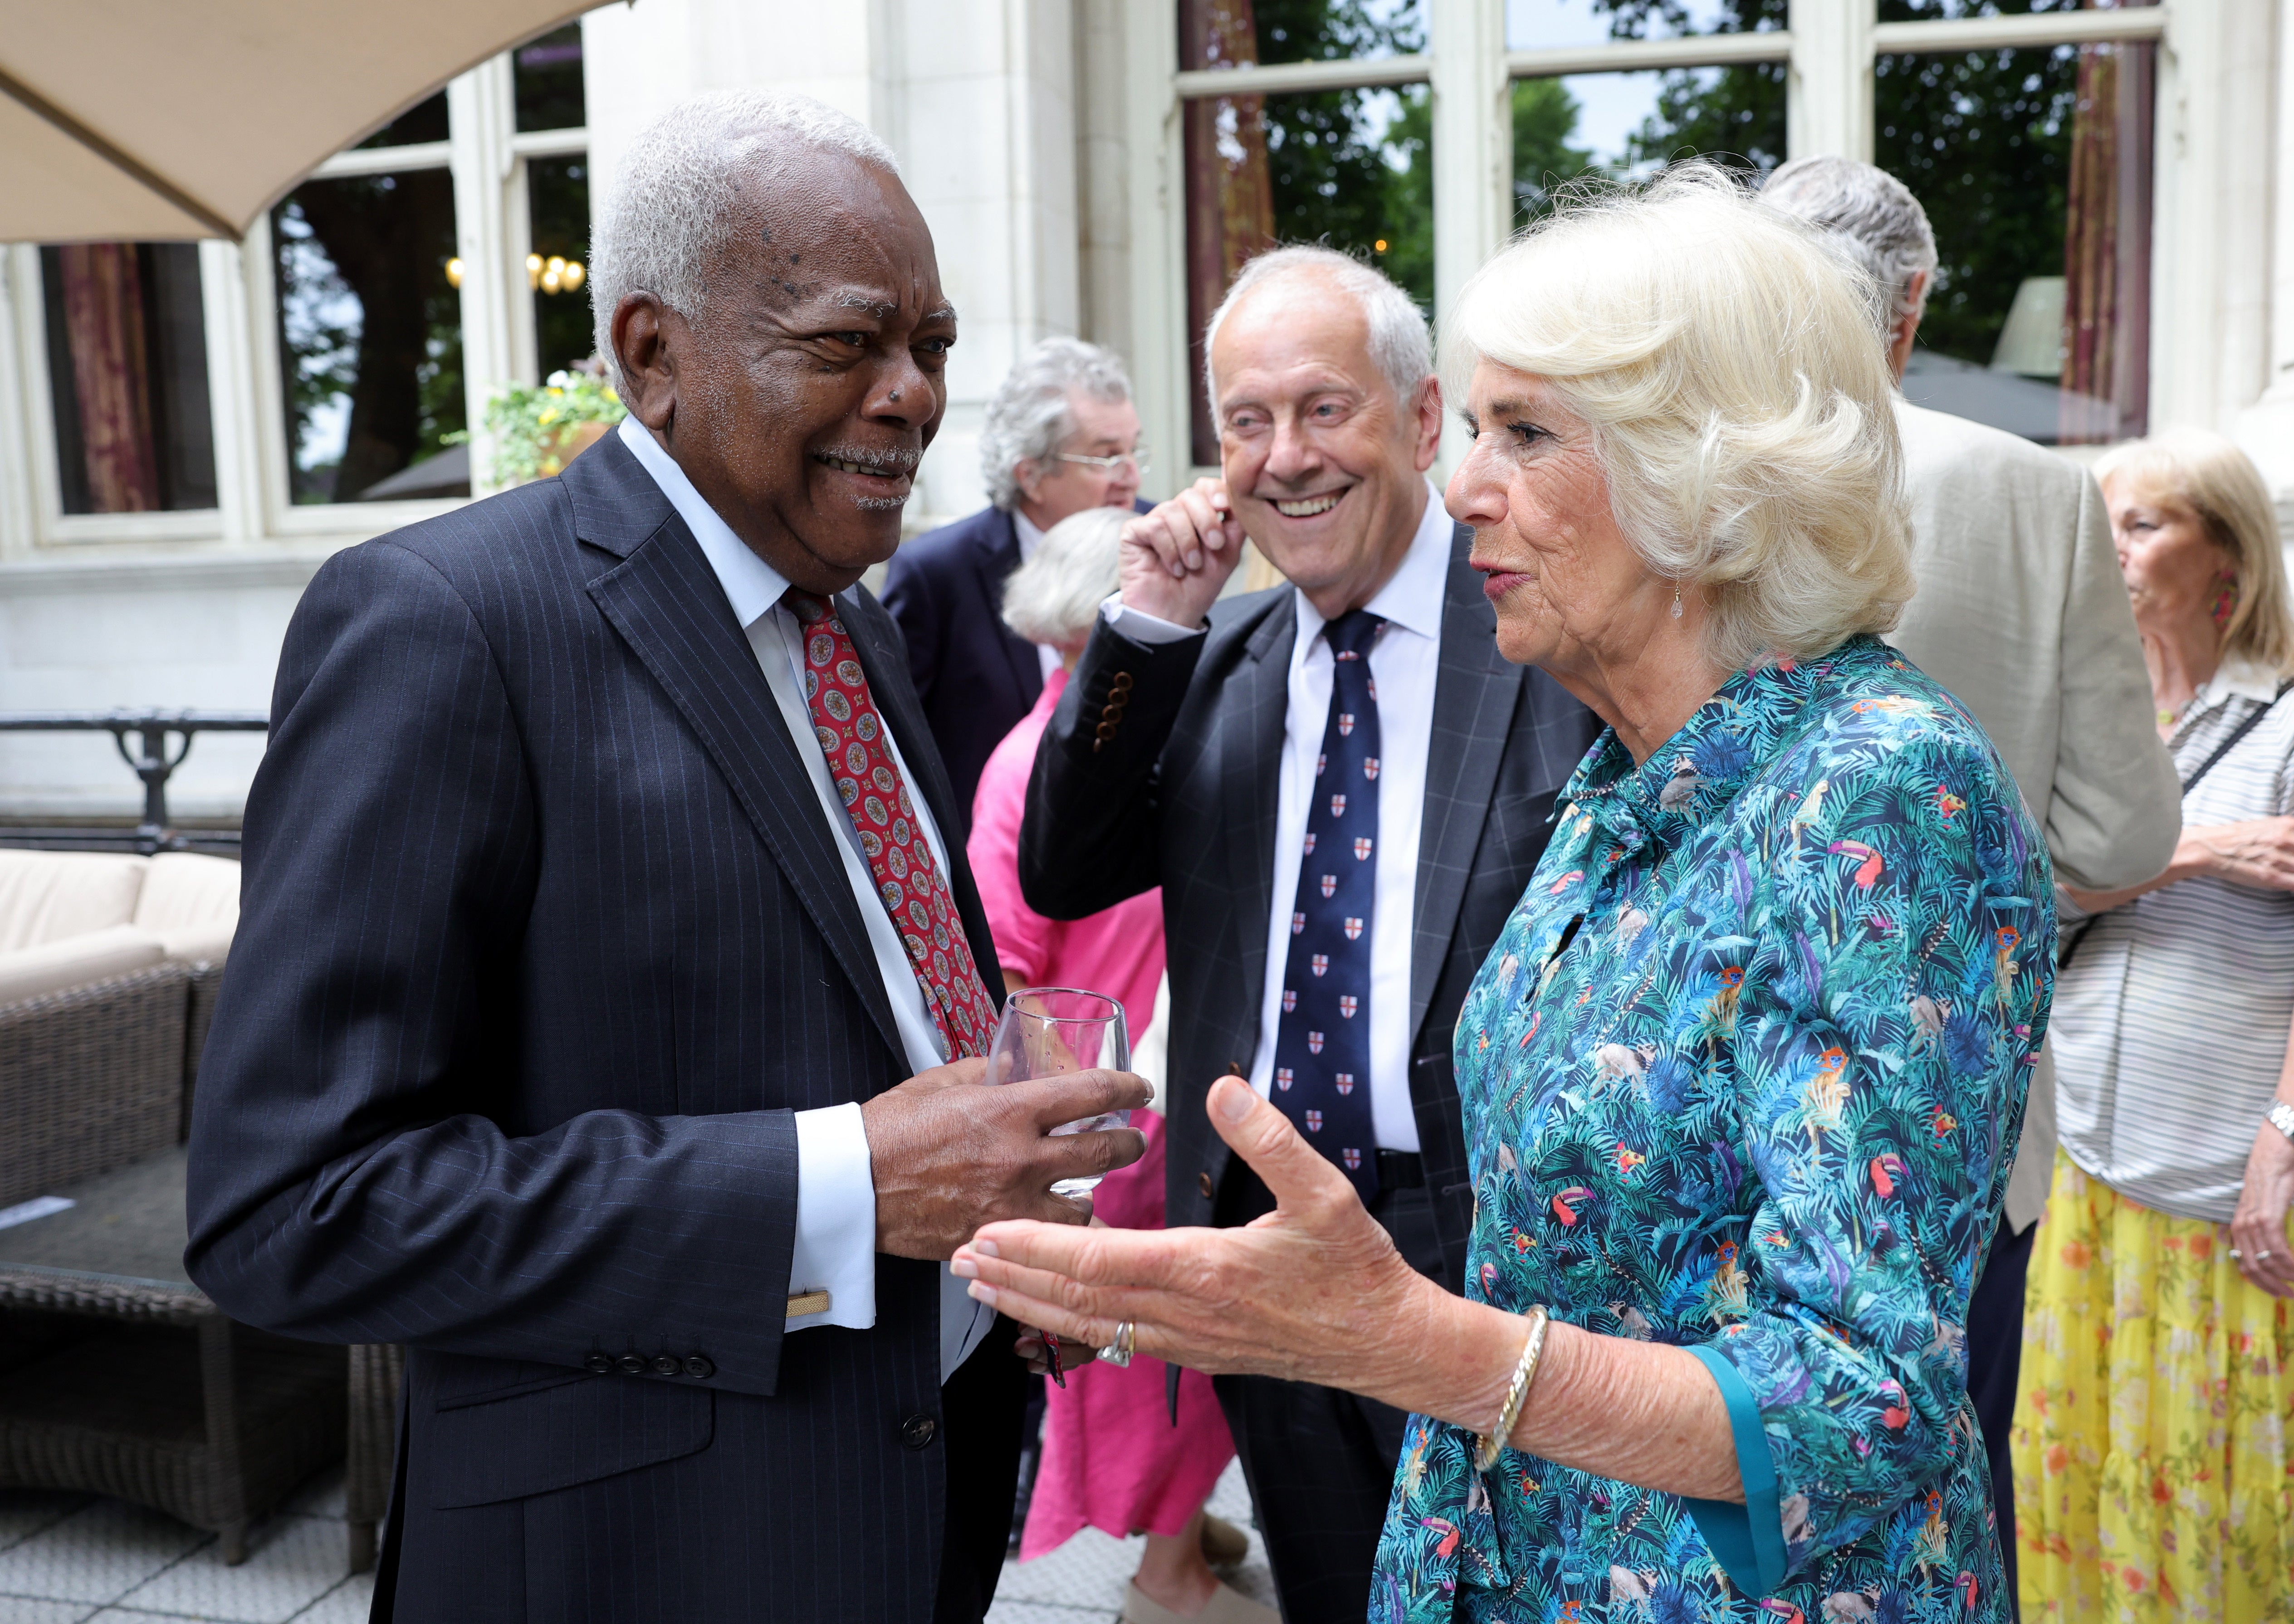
x,y
71,1559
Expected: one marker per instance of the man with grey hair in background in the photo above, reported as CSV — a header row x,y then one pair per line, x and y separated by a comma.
x,y
606,1015
2022,614
1342,788
1061,437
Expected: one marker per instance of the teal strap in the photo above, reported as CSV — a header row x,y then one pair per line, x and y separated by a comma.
x,y
1747,1540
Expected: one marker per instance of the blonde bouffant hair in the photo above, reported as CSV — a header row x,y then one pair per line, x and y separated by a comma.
x,y
1740,405
2220,484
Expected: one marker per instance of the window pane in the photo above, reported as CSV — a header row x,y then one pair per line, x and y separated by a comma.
x,y
1629,125
371,337
127,376
1228,33
558,196
426,122
1540,25
1932,11
2034,167
547,73
1350,168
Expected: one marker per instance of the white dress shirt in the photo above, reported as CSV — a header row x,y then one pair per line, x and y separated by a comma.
x,y
1030,537
1404,662
836,1192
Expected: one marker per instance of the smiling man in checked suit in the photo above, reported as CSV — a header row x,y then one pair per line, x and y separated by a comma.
x,y
600,1021
1342,788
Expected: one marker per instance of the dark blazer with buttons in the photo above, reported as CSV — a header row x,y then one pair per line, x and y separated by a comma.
x,y
1159,769
544,939
974,675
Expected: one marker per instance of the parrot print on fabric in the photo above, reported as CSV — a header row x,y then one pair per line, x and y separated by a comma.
x,y
1745,1070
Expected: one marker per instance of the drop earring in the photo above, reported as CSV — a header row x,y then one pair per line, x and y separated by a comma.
x,y
1676,600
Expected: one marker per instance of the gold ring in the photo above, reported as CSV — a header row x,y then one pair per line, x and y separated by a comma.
x,y
1119,1352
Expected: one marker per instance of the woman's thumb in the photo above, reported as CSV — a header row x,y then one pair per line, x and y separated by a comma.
x,y
1267,1139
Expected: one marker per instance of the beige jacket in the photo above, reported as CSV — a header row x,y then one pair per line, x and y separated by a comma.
x,y
2021,612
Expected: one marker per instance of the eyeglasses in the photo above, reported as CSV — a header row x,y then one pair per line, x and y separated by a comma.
x,y
1137,459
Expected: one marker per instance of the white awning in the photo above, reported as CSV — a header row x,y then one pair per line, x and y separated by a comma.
x,y
147,120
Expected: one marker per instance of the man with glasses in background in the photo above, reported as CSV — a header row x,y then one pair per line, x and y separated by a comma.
x,y
1061,435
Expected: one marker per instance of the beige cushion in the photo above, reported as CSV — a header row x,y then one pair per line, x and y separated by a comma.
x,y
185,890
48,896
196,944
54,967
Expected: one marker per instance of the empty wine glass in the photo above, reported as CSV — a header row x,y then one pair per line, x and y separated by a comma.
x,y
1052,1031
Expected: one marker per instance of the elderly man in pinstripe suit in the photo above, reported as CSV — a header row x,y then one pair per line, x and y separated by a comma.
x,y
596,907
1342,788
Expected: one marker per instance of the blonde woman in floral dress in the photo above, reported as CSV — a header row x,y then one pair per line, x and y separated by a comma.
x,y
2151,1454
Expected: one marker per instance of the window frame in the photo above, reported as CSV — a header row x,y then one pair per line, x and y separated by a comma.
x,y
1829,47
487,157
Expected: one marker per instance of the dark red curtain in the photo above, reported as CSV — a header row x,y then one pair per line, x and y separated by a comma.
x,y
111,363
1230,199
2106,248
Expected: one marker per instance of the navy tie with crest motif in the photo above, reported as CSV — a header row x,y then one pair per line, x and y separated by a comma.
x,y
1321,1038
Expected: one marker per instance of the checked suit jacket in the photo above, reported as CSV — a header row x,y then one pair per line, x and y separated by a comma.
x,y
1176,786
545,939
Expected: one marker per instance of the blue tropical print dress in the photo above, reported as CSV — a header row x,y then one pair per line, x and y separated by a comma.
x,y
1744,1073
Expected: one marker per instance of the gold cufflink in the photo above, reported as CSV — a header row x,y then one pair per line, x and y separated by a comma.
x,y
803,1302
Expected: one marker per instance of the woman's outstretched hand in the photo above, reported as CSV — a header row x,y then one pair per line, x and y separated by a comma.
x,y
1314,1291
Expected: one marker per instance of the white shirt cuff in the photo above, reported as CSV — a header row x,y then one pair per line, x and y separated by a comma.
x,y
835,1219
1141,626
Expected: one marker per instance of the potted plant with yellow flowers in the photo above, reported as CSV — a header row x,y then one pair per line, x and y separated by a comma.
x,y
537,431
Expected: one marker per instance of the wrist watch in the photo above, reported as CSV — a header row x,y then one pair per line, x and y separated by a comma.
x,y
2281,1116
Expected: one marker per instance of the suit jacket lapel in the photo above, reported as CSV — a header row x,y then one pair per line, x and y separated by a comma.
x,y
1475,694
667,604
1251,755
1026,665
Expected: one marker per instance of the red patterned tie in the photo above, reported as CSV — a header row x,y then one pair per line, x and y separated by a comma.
x,y
914,892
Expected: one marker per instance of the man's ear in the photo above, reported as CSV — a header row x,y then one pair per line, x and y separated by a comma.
x,y
1429,422
648,365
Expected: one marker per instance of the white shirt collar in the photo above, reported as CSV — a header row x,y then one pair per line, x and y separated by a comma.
x,y
751,586
2239,676
1413,599
1030,537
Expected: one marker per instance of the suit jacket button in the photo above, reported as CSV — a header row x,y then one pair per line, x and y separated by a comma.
x,y
1120,683
1203,1180
667,1364
917,1432
599,1364
631,1364
698,1367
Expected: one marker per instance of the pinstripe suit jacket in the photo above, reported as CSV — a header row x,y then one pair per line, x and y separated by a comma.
x,y
545,938
1176,787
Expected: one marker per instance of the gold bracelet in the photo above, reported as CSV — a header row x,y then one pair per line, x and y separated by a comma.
x,y
1488,1445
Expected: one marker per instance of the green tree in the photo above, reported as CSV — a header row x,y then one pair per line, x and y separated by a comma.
x,y
1346,167
1983,141
1544,118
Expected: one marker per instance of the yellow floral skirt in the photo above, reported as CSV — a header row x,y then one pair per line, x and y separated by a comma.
x,y
2151,1468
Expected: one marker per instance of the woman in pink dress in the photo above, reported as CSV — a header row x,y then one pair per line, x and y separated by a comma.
x,y
1111,1458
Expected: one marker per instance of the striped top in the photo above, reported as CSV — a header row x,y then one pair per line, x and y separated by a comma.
x,y
2170,1021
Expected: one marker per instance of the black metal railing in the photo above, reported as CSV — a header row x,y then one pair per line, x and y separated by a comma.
x,y
148,759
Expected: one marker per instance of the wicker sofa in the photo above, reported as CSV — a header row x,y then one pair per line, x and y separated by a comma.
x,y
118,1375
108,968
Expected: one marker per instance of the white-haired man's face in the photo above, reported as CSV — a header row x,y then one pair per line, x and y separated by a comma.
x,y
1092,467
1326,469
803,398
